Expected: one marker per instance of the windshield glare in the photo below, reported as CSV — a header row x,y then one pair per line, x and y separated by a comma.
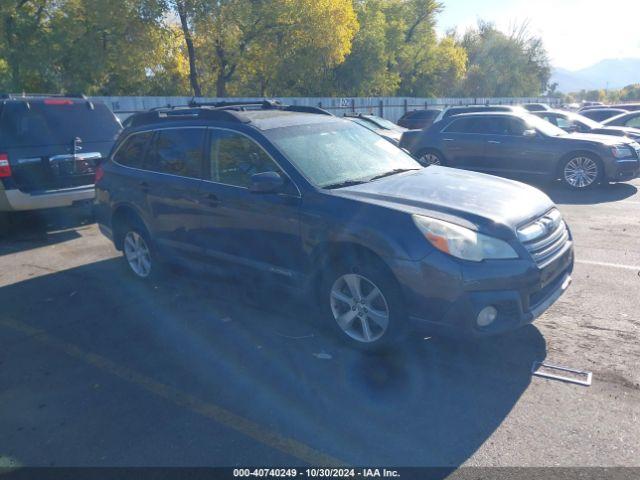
x,y
338,152
544,127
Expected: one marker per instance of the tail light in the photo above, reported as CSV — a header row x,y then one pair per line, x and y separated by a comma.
x,y
58,101
99,174
5,168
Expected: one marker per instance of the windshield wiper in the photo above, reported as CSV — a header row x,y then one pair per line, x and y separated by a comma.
x,y
346,183
393,172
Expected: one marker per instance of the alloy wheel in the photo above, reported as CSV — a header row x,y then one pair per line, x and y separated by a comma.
x,y
581,172
430,159
359,308
137,254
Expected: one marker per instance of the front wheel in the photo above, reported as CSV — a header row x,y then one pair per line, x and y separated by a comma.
x,y
580,172
362,302
430,157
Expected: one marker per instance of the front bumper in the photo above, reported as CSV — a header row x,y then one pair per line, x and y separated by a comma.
x,y
622,170
444,296
15,200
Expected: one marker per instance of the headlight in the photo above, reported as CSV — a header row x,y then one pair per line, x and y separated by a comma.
x,y
462,242
621,151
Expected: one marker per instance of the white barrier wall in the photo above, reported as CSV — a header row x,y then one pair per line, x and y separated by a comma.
x,y
391,108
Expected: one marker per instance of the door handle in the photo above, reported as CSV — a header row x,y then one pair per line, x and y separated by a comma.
x,y
211,199
144,186
447,139
495,142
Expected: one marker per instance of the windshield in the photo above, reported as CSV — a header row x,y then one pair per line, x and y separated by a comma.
x,y
544,127
364,122
339,152
384,123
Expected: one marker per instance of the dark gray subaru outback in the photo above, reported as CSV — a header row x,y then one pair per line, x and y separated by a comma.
x,y
326,206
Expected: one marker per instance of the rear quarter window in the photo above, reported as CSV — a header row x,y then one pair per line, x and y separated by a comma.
x,y
132,151
36,123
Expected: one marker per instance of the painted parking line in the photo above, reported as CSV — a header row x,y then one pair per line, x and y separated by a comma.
x,y
211,411
611,265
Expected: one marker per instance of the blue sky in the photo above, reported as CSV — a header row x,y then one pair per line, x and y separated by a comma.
x,y
576,33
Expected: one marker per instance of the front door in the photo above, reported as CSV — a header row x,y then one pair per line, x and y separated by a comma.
x,y
513,148
260,231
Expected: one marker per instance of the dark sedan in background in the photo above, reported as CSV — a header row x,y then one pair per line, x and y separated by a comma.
x,y
511,144
574,122
418,119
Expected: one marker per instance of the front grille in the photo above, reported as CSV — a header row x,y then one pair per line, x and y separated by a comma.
x,y
546,247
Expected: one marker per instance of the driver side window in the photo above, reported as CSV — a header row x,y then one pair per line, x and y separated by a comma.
x,y
235,158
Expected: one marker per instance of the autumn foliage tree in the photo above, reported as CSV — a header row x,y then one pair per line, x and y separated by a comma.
x,y
259,48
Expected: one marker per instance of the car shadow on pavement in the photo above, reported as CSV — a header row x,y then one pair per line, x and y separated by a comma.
x,y
604,193
254,351
33,229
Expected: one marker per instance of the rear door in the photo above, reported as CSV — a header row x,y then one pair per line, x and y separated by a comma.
x,y
55,143
171,185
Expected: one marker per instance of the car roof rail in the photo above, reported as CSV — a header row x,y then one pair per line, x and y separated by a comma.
x,y
20,96
172,114
260,105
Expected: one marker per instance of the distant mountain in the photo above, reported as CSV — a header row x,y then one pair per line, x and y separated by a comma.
x,y
611,73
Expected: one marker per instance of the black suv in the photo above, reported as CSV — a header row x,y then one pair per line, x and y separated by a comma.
x,y
327,207
524,145
49,147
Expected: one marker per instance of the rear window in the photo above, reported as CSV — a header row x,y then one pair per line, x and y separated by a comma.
x,y
39,123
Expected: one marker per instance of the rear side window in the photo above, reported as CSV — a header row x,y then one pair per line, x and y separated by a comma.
x,y
177,151
56,122
469,125
234,158
633,122
131,153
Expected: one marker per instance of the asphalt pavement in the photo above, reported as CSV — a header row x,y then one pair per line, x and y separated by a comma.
x,y
97,369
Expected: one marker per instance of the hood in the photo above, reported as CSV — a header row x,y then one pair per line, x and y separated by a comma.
x,y
475,200
608,140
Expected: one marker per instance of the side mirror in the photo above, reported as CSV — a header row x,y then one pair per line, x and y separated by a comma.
x,y
572,129
266,182
530,132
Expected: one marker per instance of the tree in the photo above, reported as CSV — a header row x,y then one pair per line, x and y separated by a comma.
x,y
501,65
24,45
184,9
277,43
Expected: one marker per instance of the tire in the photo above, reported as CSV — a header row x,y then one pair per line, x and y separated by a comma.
x,y
359,316
430,157
581,171
139,253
